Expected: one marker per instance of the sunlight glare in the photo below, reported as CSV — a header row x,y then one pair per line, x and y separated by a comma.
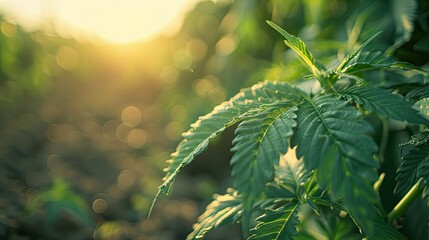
x,y
115,21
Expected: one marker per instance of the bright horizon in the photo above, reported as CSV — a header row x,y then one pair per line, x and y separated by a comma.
x,y
114,21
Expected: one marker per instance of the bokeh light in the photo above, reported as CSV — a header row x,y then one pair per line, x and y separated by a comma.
x,y
67,58
99,206
131,116
137,138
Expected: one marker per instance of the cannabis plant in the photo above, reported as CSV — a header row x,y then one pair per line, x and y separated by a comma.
x,y
331,129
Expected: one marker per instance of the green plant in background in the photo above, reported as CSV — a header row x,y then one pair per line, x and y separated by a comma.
x,y
54,201
339,129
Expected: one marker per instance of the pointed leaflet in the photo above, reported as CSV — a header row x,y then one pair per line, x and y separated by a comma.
x,y
419,93
417,139
365,61
279,224
423,172
327,123
332,137
259,141
226,114
293,178
356,52
384,103
299,47
291,182
384,231
412,168
225,209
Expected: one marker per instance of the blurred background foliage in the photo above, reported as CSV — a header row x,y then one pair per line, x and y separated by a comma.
x,y
86,127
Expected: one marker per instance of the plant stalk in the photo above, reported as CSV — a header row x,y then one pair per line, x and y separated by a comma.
x,y
405,202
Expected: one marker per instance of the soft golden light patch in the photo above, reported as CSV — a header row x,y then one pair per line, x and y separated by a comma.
x,y
137,138
131,116
99,206
226,45
8,29
115,21
126,179
67,58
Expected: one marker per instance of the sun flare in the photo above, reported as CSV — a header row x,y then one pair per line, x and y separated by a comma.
x,y
115,21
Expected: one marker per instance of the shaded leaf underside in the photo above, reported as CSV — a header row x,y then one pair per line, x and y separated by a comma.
x,y
279,224
225,209
291,178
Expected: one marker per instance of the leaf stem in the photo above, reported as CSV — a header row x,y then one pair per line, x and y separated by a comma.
x,y
384,138
405,202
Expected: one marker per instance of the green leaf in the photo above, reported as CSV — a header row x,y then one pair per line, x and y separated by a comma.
x,y
60,198
299,47
412,168
422,44
225,209
423,172
356,52
404,14
226,114
259,141
419,93
279,224
332,137
326,123
384,231
292,178
384,103
291,182
417,139
365,61
423,106
360,200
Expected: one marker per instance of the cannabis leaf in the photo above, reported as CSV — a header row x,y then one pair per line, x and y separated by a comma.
x,y
226,114
384,103
333,138
299,47
419,93
292,182
423,173
353,54
259,141
326,123
292,179
225,209
417,139
412,168
278,224
365,61
384,231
